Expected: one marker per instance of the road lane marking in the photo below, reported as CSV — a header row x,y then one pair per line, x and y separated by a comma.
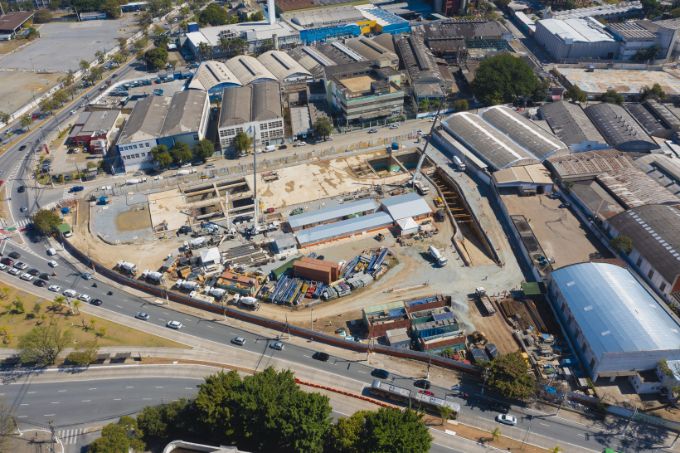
x,y
146,399
92,388
23,404
22,416
85,401
543,424
188,388
159,386
210,327
129,386
30,393
117,399
49,415
61,391
54,402
118,306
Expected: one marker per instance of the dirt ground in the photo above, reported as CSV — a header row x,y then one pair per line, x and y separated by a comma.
x,y
134,219
494,328
322,179
559,232
18,87
10,46
167,206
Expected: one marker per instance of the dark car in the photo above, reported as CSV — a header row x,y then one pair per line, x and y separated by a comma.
x,y
22,147
15,255
34,272
44,276
423,384
76,189
21,189
96,302
322,356
380,373
7,261
40,283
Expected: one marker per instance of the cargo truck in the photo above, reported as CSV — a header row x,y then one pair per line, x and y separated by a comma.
x,y
436,255
485,300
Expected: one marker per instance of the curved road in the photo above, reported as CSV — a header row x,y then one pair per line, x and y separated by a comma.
x,y
14,166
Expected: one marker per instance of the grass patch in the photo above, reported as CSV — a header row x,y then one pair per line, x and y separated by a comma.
x,y
84,328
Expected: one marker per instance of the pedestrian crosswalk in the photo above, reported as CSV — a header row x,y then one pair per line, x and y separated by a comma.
x,y
22,222
70,436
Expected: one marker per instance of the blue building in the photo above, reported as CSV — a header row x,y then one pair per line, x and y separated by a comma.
x,y
324,33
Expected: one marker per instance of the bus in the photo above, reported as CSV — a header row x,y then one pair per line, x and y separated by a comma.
x,y
411,398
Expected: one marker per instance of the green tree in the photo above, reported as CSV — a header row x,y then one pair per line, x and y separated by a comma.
x,y
504,78
257,16
42,344
140,44
213,14
496,434
161,424
655,92
204,150
5,117
181,153
161,156
675,13
575,94
445,413
263,412
100,55
509,375
242,142
393,430
204,51
612,97
84,65
323,127
650,8
646,54
8,425
119,437
46,221
26,121
156,58
461,105
84,356
345,435
622,243
111,8
32,33
42,16
17,307
69,78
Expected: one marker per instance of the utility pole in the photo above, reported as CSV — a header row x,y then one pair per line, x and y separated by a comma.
x,y
53,439
255,202
416,173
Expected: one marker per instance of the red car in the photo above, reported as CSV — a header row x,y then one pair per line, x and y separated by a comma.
x,y
426,392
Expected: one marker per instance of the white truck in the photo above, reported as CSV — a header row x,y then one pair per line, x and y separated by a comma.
x,y
421,187
125,266
217,293
246,301
186,285
436,255
151,276
485,300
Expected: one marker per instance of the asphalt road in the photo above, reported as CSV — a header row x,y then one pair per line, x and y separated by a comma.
x,y
474,410
14,166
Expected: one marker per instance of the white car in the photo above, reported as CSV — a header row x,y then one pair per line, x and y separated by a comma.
x,y
21,265
277,345
85,298
51,252
54,288
373,131
174,325
14,271
27,277
2,267
506,419
70,293
52,263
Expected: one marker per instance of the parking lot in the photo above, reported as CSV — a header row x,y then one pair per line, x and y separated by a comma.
x,y
62,45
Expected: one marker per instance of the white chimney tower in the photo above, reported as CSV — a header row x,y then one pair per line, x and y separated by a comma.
x,y
271,12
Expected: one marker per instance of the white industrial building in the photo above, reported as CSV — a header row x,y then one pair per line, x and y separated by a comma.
x,y
284,68
156,120
253,109
573,39
570,123
616,326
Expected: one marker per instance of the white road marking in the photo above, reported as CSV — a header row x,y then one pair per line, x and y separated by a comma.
x,y
210,327
92,388
159,386
61,391
117,399
129,386
23,404
49,415
146,399
22,416
54,402
30,393
188,388
543,424
85,401
118,306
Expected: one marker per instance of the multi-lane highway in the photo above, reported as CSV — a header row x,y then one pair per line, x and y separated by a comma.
x,y
73,408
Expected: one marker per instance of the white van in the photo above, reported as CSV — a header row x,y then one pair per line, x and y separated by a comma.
x,y
51,252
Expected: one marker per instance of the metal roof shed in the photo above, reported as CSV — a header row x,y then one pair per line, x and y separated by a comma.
x,y
620,328
343,228
332,212
407,205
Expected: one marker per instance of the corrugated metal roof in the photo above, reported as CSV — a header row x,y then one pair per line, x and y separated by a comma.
x,y
282,65
407,205
332,212
570,123
343,228
258,102
655,232
211,74
614,311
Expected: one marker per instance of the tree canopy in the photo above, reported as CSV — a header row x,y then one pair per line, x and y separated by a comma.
x,y
655,92
575,94
612,97
242,142
323,127
204,150
622,243
161,156
387,430
213,14
505,78
46,221
509,375
181,153
42,344
156,58
119,437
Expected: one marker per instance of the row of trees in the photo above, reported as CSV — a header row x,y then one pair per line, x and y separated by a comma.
x,y
504,78
265,412
181,153
576,94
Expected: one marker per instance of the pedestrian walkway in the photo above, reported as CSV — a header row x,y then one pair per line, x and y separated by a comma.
x,y
70,436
